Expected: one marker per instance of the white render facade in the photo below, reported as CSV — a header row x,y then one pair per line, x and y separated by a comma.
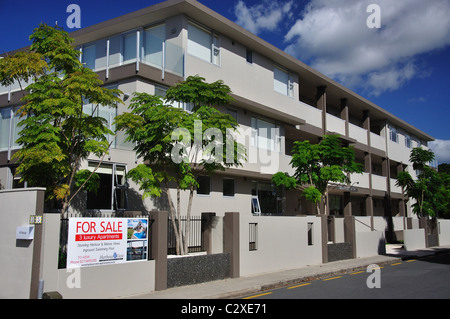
x,y
151,49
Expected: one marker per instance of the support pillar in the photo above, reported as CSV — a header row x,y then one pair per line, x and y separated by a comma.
x,y
231,238
324,233
159,248
207,219
321,99
369,210
345,115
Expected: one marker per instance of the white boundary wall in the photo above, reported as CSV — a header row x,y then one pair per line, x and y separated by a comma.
x,y
414,239
444,232
282,243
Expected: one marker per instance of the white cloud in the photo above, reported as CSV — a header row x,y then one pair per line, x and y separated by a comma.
x,y
332,36
265,16
441,149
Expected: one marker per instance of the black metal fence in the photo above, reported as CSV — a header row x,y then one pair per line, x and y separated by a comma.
x,y
195,242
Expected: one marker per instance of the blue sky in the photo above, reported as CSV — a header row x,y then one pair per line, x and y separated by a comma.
x,y
404,66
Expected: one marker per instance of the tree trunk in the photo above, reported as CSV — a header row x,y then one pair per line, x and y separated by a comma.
x,y
188,220
173,222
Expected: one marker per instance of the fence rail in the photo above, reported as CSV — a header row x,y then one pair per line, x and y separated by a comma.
x,y
195,241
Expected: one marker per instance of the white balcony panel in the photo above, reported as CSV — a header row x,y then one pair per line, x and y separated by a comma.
x,y
311,114
335,124
360,180
377,141
395,189
379,182
358,133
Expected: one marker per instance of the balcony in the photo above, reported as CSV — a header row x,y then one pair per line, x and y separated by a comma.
x,y
360,180
379,183
357,133
335,124
377,141
394,189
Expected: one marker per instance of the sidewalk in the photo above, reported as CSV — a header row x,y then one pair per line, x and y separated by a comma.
x,y
245,286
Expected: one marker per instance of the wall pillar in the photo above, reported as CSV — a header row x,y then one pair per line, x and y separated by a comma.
x,y
344,115
321,99
324,233
207,219
37,247
159,248
349,232
231,239
369,210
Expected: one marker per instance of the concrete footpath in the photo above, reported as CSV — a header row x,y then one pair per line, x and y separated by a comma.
x,y
246,286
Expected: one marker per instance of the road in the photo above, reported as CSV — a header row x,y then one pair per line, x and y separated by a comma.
x,y
423,278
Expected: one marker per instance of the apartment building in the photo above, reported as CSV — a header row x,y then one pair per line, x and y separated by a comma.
x,y
277,100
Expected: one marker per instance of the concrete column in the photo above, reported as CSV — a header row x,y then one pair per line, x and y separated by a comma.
x,y
369,210
159,248
349,232
321,99
345,115
324,233
207,219
37,246
231,238
347,204
366,125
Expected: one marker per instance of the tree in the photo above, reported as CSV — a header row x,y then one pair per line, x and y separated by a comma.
x,y
179,145
429,190
56,134
318,165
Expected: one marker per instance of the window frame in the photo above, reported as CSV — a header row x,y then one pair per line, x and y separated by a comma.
x,y
197,188
255,138
213,46
223,187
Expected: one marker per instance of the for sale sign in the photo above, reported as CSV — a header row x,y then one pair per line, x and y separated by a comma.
x,y
100,241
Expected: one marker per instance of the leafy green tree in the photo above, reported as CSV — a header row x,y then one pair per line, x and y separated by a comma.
x,y
56,136
177,145
318,165
429,190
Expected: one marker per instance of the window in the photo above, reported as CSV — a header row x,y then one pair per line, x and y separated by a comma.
x,y
265,135
9,128
204,185
111,194
161,91
408,141
88,56
393,134
256,209
310,234
228,187
249,56
108,113
335,202
233,113
203,44
153,45
265,200
252,236
129,52
282,82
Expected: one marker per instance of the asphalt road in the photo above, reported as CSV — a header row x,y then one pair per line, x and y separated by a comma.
x,y
423,278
